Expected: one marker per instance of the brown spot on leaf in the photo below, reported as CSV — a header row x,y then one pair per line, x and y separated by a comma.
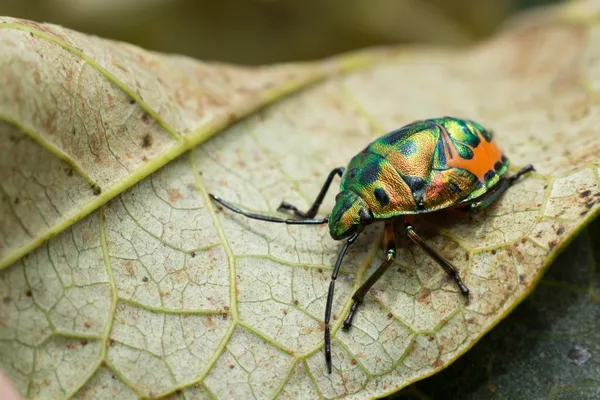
x,y
585,193
430,338
390,315
295,302
145,279
129,268
438,363
174,195
552,244
353,362
424,296
560,230
6,299
193,254
96,190
147,141
28,293
70,345
83,342
87,324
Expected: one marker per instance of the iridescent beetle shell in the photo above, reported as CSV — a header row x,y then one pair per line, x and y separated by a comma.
x,y
422,167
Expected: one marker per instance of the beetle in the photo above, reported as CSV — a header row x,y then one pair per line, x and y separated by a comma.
x,y
426,166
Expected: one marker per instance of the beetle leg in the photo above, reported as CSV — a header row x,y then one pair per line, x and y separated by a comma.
x,y
312,211
268,218
449,268
359,295
497,191
329,304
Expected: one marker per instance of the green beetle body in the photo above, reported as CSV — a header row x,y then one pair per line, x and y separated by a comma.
x,y
422,167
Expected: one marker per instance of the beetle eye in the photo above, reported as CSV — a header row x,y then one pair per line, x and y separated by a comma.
x,y
337,196
365,217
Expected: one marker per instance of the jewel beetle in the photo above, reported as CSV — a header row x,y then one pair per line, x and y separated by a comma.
x,y
426,166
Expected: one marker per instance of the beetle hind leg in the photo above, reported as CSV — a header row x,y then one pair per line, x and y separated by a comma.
x,y
522,171
497,190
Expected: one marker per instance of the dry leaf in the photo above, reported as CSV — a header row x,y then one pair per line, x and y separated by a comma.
x,y
158,291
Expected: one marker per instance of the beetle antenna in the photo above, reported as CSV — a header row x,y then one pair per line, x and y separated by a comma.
x,y
329,304
268,218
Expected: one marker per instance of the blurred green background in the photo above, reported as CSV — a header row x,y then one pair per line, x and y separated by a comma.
x,y
266,31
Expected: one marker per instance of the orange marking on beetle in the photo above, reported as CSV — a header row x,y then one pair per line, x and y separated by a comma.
x,y
485,155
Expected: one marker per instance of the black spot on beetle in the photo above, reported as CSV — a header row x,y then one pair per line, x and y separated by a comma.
x,y
382,197
454,188
489,175
498,166
415,183
504,159
147,141
369,174
417,186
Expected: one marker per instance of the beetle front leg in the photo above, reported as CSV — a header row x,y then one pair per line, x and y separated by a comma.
x,y
359,295
312,211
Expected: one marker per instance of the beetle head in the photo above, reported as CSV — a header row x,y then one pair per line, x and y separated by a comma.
x,y
349,215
